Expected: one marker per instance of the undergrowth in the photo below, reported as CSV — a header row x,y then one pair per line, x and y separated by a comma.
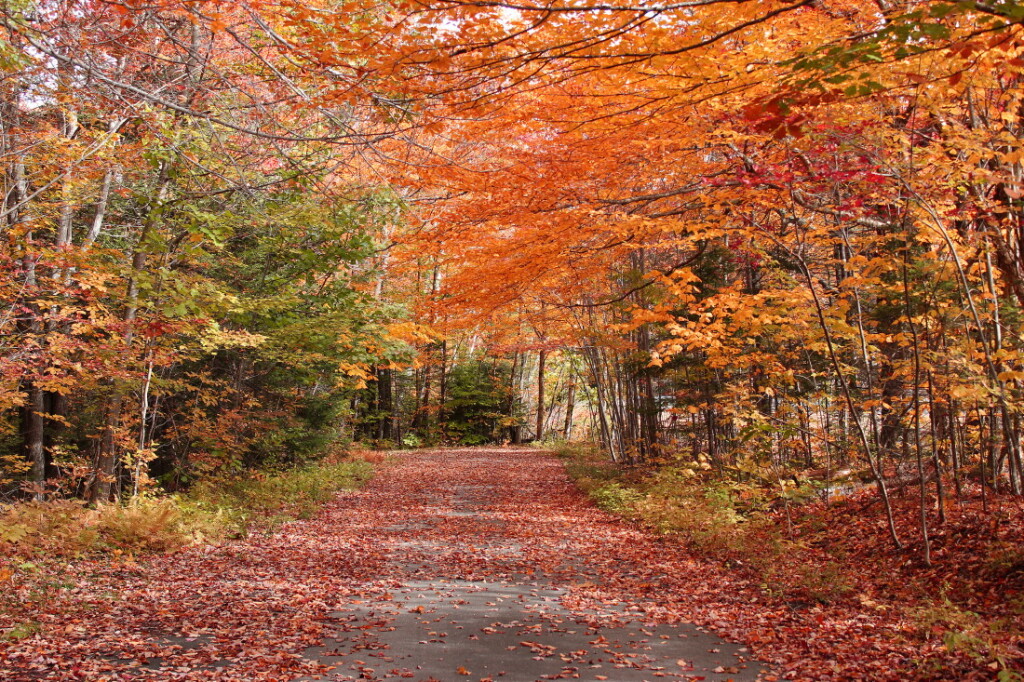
x,y
713,518
217,509
801,552
39,541
264,500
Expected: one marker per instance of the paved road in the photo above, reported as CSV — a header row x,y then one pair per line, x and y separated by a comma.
x,y
497,570
471,564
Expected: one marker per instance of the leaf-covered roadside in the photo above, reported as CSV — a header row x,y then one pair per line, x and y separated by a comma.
x,y
48,546
829,567
252,609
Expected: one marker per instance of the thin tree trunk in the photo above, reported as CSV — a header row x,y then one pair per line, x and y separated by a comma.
x,y
837,367
99,217
106,458
33,422
541,361
570,407
923,509
936,458
143,418
513,394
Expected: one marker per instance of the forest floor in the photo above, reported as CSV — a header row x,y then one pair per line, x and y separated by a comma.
x,y
478,564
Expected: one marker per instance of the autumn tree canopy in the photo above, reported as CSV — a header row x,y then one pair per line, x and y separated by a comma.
x,y
767,236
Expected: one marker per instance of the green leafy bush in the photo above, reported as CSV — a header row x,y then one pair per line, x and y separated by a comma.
x,y
617,498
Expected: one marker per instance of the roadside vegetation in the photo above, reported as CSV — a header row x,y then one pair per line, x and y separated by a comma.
x,y
218,509
810,550
44,545
770,255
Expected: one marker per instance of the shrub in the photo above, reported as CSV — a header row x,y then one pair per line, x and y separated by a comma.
x,y
143,526
212,511
69,528
269,498
617,498
719,518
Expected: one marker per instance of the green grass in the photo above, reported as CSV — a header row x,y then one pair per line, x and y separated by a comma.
x,y
265,500
22,630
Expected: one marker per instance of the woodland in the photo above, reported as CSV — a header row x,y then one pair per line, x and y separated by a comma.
x,y
750,265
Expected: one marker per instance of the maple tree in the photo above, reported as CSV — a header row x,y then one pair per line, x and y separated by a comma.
x,y
767,270
784,238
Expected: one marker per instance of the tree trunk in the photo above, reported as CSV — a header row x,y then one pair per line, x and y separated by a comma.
x,y
570,408
106,456
541,358
385,404
34,434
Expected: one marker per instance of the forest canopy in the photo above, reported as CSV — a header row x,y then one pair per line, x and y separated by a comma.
x,y
760,236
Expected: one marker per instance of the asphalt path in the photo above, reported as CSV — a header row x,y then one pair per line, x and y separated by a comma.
x,y
496,571
461,564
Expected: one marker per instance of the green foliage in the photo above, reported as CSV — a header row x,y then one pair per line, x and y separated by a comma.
x,y
22,630
719,518
587,466
707,514
474,406
616,498
254,312
901,36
